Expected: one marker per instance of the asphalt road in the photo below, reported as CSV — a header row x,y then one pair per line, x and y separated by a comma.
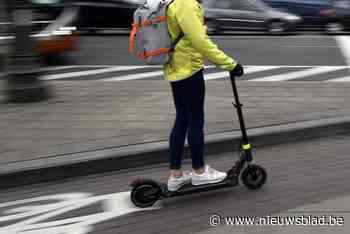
x,y
298,174
310,50
267,58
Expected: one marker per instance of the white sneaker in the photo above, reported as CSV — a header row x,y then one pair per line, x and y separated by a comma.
x,y
174,183
209,176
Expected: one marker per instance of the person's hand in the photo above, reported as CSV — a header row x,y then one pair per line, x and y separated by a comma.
x,y
237,71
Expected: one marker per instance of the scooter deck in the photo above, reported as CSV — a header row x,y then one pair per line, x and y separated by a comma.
x,y
189,188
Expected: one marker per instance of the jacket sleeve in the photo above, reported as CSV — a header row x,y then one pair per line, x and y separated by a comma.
x,y
190,23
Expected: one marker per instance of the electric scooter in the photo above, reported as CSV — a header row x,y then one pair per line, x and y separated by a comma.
x,y
146,192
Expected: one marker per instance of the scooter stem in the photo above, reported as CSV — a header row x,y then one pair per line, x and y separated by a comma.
x,y
238,107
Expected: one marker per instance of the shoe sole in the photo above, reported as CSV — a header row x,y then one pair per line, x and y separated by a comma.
x,y
207,182
173,189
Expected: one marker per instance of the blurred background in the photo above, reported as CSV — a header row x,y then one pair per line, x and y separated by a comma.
x,y
56,24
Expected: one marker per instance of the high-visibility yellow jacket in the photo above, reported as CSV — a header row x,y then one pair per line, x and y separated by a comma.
x,y
188,16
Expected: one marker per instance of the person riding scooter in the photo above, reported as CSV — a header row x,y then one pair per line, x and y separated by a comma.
x,y
185,74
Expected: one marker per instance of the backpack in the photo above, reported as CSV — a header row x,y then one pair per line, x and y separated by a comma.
x,y
150,33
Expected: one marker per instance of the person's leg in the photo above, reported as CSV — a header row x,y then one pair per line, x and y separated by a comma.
x,y
177,177
178,133
195,133
202,174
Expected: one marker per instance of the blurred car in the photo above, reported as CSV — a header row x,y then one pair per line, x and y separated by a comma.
x,y
97,15
52,28
338,16
314,13
247,15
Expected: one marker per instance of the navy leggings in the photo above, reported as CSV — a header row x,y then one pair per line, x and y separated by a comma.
x,y
188,97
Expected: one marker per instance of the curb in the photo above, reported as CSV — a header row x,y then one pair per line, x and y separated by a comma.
x,y
117,158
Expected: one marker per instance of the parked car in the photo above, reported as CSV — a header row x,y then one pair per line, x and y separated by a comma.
x,y
247,15
97,15
314,13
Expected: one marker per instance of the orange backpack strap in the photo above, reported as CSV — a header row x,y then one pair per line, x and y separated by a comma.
x,y
160,51
132,37
161,18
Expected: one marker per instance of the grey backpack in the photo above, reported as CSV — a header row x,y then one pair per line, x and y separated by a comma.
x,y
150,33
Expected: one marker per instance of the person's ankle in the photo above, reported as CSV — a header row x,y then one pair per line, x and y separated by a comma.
x,y
199,171
175,173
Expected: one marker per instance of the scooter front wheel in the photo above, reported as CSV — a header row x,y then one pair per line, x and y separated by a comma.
x,y
145,193
254,176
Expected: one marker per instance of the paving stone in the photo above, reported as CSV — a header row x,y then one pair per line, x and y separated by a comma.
x,y
92,115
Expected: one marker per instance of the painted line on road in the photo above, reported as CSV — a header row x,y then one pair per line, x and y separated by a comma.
x,y
45,69
344,44
262,36
211,76
90,72
340,79
6,37
298,74
249,70
102,69
308,46
210,66
135,76
40,214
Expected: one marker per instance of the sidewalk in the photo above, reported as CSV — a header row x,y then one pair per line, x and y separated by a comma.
x,y
86,116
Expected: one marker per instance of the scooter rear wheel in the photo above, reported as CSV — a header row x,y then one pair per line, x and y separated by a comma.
x,y
145,193
254,176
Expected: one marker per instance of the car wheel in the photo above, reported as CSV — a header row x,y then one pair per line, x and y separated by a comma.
x,y
276,27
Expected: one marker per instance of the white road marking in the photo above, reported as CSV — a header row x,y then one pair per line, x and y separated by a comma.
x,y
210,76
244,36
313,70
90,72
298,74
32,217
219,75
341,79
110,66
43,69
6,37
344,44
308,46
140,75
135,76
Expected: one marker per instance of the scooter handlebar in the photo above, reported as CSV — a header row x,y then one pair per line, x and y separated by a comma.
x,y
237,71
